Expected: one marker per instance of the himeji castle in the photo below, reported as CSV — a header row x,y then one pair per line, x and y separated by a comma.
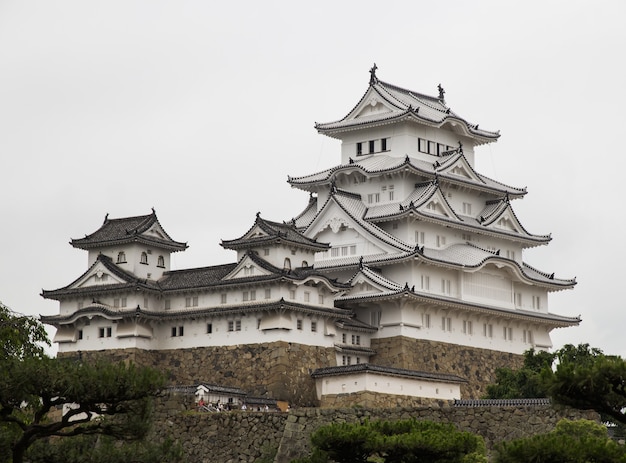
x,y
402,278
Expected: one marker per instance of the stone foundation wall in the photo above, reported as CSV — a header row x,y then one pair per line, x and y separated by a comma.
x,y
478,366
367,399
247,436
276,370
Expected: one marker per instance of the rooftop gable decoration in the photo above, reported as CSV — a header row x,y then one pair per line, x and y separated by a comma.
x,y
144,229
384,103
264,232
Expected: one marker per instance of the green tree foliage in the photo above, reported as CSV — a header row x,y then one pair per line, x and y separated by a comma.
x,y
527,382
102,449
579,441
404,441
578,376
99,398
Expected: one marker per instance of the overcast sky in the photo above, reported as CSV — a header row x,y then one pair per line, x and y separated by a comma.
x,y
201,111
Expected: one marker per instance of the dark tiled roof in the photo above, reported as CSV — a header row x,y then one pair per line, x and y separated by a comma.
x,y
190,278
126,230
274,232
356,325
130,281
368,367
502,402
244,308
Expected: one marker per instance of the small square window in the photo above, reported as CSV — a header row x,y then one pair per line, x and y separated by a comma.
x,y
209,328
223,298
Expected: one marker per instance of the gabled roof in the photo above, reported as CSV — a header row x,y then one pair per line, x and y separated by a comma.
x,y
217,277
416,204
389,371
126,280
454,303
352,205
144,229
379,164
138,313
384,103
264,233
302,220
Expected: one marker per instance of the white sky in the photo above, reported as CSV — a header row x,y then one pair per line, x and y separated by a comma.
x,y
201,111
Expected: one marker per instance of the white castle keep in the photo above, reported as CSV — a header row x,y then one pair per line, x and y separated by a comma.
x,y
402,245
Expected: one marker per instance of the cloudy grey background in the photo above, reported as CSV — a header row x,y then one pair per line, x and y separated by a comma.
x,y
201,110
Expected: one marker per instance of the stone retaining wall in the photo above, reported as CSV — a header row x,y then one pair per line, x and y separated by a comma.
x,y
478,366
281,370
245,436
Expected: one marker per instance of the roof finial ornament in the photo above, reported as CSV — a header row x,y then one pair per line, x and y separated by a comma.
x,y
258,214
373,78
460,147
106,217
361,263
442,92
153,211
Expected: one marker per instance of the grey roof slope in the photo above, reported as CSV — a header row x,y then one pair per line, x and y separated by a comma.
x,y
139,313
361,367
302,220
130,282
126,230
276,232
377,164
404,104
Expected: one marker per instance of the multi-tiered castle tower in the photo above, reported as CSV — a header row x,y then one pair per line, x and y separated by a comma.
x,y
403,275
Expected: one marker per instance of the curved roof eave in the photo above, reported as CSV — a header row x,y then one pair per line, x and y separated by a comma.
x,y
557,321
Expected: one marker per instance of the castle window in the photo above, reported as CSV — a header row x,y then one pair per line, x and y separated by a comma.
x,y
167,304
356,340
536,303
343,338
446,323
359,148
441,241
253,295
467,327
287,264
245,296
116,302
346,360
268,293
488,330
375,317
313,326
247,271
467,208
80,334
320,299
383,144
121,257
266,252
426,320
223,298
292,294
425,282
209,328
307,296
145,302
299,323
528,337
144,258
104,332
234,325
518,299
358,360
161,262
79,305
445,286
419,237
305,263
191,301
507,333
178,331
372,144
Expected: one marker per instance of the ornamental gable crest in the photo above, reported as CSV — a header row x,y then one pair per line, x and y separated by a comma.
x,y
96,276
247,268
459,168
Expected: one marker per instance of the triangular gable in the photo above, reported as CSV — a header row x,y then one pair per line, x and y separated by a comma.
x,y
458,166
372,104
334,220
436,204
247,268
156,232
97,275
504,219
369,283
